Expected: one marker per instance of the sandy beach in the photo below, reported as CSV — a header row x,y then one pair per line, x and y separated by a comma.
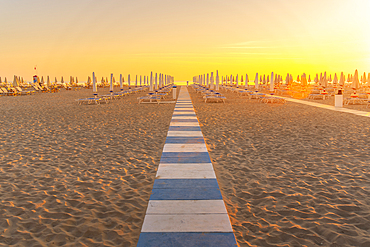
x,y
290,174
81,175
77,175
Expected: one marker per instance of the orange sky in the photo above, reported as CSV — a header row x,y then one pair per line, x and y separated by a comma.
x,y
183,38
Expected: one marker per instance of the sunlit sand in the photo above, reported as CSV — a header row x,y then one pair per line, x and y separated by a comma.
x,y
289,173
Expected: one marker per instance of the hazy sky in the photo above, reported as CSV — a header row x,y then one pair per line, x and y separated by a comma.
x,y
183,37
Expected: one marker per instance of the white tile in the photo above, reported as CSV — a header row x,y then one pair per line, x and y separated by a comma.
x,y
185,133
186,207
187,223
184,124
198,147
184,109
183,112
185,171
184,117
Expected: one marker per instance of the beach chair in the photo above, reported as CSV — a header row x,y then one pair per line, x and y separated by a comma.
x,y
354,101
272,99
2,92
151,98
6,92
92,101
23,92
316,96
256,95
19,91
217,97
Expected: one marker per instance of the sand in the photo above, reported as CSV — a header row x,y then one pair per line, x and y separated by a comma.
x,y
290,174
77,175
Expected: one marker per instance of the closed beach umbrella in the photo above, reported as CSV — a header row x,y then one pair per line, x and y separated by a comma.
x,y
156,81
342,79
151,81
15,83
364,78
88,81
231,79
111,83
355,81
237,80
256,81
246,80
207,79
211,79
129,80
335,81
6,82
48,82
61,80
140,80
217,80
368,79
272,82
316,80
325,80
136,81
120,82
94,84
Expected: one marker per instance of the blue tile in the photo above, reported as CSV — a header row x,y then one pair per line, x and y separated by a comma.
x,y
197,193
185,120
187,160
184,128
185,183
184,140
186,239
185,115
185,154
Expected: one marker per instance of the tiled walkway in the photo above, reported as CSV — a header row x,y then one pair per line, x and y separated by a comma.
x,y
329,107
186,206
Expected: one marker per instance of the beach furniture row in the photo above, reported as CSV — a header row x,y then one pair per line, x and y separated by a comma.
x,y
106,98
156,96
208,94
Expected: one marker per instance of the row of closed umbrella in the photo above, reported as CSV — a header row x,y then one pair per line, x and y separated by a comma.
x,y
154,82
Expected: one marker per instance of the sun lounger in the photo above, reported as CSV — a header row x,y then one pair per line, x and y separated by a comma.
x,y
6,92
23,92
272,99
256,95
90,101
214,98
2,92
150,99
316,96
354,101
